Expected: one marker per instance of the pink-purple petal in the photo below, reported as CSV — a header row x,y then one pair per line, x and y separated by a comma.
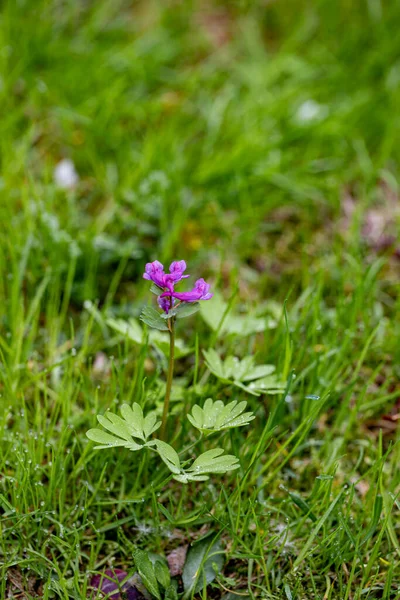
x,y
165,302
177,269
109,582
155,272
177,266
199,292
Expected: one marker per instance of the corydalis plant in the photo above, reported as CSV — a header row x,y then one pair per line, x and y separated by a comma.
x,y
133,430
164,288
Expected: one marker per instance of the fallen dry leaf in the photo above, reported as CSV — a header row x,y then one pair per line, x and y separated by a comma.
x,y
176,560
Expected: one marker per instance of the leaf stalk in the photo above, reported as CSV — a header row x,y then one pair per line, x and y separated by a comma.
x,y
170,375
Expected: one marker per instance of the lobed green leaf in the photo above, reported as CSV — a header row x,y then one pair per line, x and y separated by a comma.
x,y
130,329
169,456
215,416
109,441
153,319
239,372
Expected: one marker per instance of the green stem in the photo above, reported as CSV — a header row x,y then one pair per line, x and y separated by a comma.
x,y
192,445
171,326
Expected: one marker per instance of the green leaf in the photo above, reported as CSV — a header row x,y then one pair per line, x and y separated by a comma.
x,y
130,329
231,368
186,309
169,456
161,342
246,325
270,385
240,372
162,574
241,367
257,372
105,439
199,566
153,319
115,424
156,290
207,456
132,425
133,416
146,571
212,462
150,424
186,477
376,516
215,416
171,593
214,363
302,504
213,312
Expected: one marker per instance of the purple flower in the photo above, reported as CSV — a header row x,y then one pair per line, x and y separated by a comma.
x,y
199,292
109,583
166,281
165,303
176,269
155,273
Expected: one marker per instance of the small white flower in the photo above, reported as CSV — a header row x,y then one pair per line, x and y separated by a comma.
x,y
310,111
65,175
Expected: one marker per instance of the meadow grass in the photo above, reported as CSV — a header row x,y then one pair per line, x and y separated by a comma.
x,y
259,142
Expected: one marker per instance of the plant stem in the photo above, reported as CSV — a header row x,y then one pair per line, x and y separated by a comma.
x,y
171,327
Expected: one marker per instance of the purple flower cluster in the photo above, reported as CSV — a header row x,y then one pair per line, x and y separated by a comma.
x,y
166,281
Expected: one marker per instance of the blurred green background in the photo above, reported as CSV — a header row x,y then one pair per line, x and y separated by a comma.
x,y
250,138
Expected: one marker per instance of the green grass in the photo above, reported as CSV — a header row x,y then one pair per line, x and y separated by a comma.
x,y
187,123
